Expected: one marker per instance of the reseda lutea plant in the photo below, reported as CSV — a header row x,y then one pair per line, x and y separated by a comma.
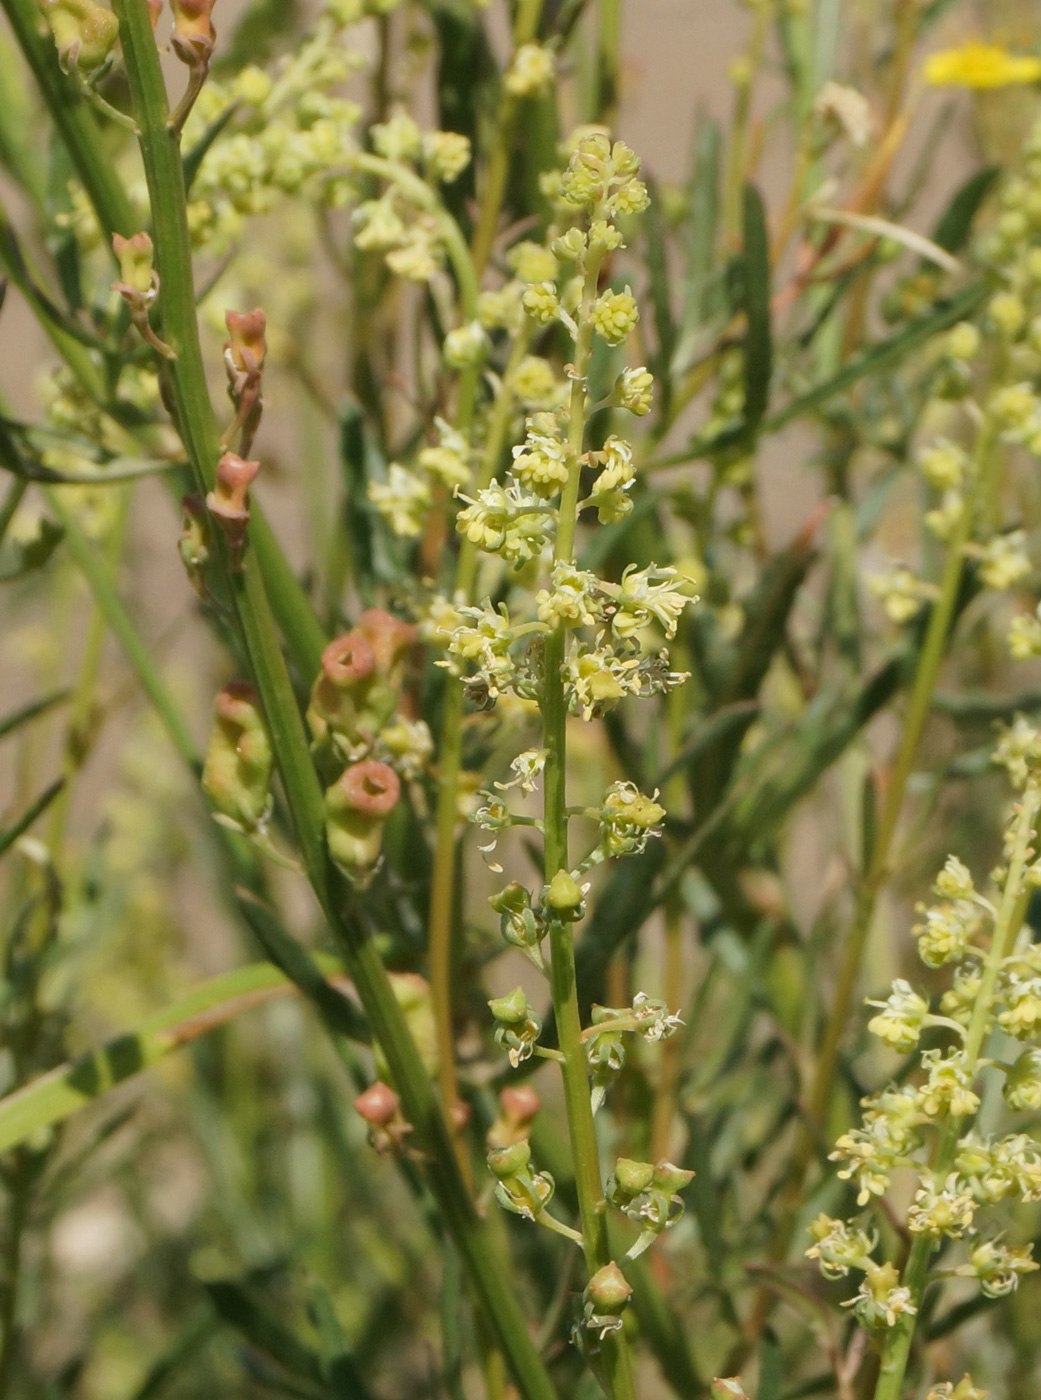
x,y
574,646
582,875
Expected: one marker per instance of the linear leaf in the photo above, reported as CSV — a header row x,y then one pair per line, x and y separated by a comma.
x,y
703,221
55,1095
25,821
885,354
758,337
29,712
955,223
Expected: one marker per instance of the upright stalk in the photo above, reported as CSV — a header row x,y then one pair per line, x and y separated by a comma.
x,y
431,1135
918,707
898,1341
581,1127
919,704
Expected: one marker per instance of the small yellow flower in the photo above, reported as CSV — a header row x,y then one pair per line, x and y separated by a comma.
x,y
979,65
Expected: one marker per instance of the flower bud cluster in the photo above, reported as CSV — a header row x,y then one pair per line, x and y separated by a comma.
x,y
605,1038
518,1187
85,33
648,1195
289,135
517,1027
605,1299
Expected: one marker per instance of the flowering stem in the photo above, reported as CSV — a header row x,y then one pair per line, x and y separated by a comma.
x,y
919,705
524,30
442,889
582,1130
898,1343
431,1135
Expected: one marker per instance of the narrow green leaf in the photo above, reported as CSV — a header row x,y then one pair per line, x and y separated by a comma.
x,y
955,223
25,713
758,336
237,1308
194,158
885,355
769,1368
703,222
338,1365
661,297
61,1091
25,821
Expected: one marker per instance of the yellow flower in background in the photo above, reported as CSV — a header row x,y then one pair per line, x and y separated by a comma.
x,y
978,65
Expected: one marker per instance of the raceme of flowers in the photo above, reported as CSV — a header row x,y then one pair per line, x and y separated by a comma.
x,y
929,1125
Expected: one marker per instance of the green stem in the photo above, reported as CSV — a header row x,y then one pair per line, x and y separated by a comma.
x,y
525,28
918,707
431,1134
585,1153
899,1339
74,121
982,487
19,1202
440,939
10,504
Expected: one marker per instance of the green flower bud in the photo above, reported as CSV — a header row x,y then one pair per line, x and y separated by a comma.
x,y
609,1289
570,246
236,774
671,1179
356,807
412,993
85,33
514,899
513,1009
564,895
504,1162
613,315
134,256
1007,312
1022,1087
194,542
630,1178
466,346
